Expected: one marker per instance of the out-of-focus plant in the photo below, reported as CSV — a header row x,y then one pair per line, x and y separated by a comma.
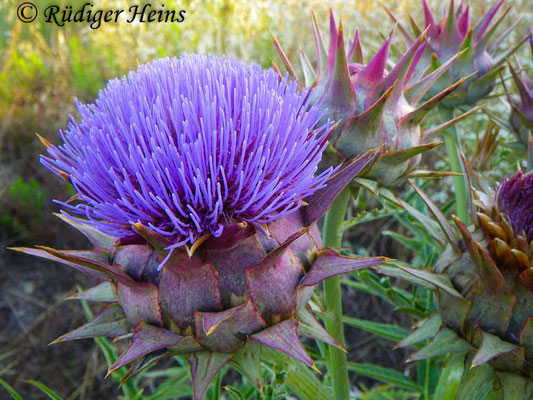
x,y
476,49
521,118
374,106
23,205
485,147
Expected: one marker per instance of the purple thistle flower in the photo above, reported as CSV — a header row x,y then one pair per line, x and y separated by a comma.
x,y
187,146
515,199
219,157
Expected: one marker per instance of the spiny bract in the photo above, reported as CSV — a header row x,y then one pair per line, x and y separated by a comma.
x,y
454,34
375,106
484,285
196,176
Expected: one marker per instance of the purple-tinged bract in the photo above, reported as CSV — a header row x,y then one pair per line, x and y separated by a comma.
x,y
375,105
187,146
454,33
197,178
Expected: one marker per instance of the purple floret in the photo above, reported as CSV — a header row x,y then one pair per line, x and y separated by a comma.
x,y
187,146
515,199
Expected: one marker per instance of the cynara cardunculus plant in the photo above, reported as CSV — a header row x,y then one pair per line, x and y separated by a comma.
x,y
483,282
196,185
455,34
521,118
375,106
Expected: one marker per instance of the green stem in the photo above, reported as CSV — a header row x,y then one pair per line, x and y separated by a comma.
x,y
337,364
451,142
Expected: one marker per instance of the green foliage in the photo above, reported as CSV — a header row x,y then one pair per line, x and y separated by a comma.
x,y
25,204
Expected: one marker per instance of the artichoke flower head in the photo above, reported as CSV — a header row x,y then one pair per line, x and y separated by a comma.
x,y
196,185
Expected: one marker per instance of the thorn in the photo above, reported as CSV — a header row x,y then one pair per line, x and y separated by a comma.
x,y
283,56
44,141
58,340
191,250
316,368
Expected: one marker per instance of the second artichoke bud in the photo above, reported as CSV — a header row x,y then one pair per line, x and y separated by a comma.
x,y
474,45
375,107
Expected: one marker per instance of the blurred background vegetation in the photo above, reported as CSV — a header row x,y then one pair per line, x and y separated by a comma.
x,y
44,67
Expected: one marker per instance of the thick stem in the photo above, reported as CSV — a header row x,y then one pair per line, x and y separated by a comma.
x,y
451,142
337,364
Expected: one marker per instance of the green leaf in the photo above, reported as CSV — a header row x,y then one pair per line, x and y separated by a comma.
x,y
426,329
410,243
450,377
248,360
477,383
390,332
10,390
215,387
234,392
446,341
299,378
441,281
174,387
390,269
366,216
515,387
445,226
45,389
386,375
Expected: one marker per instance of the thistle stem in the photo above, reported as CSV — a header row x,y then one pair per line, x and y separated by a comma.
x,y
451,141
337,364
